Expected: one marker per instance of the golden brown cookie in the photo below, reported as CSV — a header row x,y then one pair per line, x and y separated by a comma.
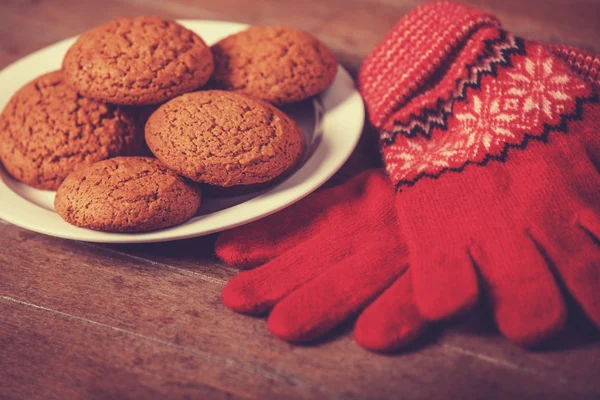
x,y
224,138
138,61
142,113
276,64
241,190
47,130
126,194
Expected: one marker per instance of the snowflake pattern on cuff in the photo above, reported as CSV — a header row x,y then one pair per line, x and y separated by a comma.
x,y
534,94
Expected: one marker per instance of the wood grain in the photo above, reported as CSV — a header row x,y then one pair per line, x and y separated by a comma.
x,y
67,295
81,320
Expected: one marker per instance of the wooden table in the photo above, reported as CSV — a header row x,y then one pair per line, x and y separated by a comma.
x,y
80,320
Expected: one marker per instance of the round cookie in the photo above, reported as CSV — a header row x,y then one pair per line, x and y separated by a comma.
x,y
276,64
138,61
224,138
126,194
47,130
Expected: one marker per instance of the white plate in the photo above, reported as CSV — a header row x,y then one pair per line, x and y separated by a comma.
x,y
332,124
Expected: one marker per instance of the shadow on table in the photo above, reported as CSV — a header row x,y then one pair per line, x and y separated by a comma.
x,y
578,330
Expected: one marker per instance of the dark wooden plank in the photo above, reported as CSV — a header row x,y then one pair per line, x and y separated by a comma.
x,y
563,21
310,15
50,355
81,284
572,356
147,301
350,28
196,255
28,25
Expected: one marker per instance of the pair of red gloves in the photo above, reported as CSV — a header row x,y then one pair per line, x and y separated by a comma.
x,y
490,144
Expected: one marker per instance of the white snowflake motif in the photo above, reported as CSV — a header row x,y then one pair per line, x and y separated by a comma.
x,y
481,127
533,93
544,86
484,125
408,158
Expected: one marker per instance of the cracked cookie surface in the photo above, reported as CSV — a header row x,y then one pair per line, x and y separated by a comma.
x,y
138,61
48,130
126,194
280,65
224,138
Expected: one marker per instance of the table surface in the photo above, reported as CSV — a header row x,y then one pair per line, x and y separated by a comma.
x,y
80,320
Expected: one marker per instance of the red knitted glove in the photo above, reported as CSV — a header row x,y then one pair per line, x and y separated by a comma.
x,y
583,63
491,141
327,257
330,255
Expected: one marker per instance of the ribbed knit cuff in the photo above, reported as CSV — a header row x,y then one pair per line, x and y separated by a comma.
x,y
413,52
586,64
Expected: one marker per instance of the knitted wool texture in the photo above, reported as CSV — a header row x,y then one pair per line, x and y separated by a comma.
x,y
490,142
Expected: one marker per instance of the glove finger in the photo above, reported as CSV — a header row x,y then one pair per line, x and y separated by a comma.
x,y
576,258
527,303
256,243
392,321
444,282
588,220
317,307
258,290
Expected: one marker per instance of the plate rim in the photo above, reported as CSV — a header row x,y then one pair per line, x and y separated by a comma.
x,y
310,184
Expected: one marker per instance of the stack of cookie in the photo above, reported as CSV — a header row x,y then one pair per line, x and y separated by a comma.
x,y
81,130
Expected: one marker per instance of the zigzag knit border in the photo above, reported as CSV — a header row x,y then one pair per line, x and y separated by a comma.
x,y
562,126
493,56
